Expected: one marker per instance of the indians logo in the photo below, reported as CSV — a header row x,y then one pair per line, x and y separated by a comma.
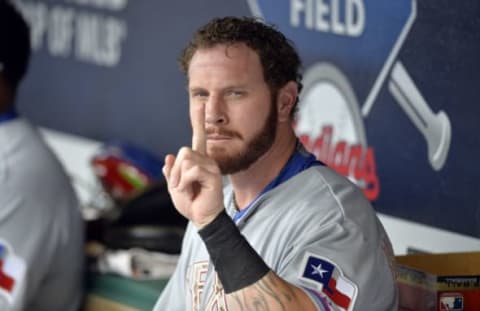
x,y
330,126
333,38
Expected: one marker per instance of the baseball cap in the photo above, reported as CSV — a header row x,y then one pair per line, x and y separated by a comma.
x,y
14,43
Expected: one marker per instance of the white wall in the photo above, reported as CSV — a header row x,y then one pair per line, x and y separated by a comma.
x,y
75,153
407,234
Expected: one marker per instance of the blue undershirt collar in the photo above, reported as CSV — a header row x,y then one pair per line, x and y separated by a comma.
x,y
10,114
298,162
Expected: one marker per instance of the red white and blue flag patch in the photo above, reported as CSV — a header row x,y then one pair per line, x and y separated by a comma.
x,y
326,279
451,301
12,272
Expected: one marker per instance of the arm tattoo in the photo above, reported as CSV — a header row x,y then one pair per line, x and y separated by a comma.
x,y
267,294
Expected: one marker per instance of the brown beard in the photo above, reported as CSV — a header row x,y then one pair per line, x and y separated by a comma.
x,y
258,146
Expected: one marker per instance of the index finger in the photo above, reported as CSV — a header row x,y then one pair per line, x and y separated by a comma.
x,y
199,137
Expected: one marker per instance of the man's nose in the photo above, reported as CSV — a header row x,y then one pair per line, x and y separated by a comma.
x,y
215,111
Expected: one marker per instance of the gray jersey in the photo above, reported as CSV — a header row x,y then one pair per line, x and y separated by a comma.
x,y
41,229
315,230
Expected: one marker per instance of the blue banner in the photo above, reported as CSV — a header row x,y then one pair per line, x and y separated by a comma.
x,y
389,99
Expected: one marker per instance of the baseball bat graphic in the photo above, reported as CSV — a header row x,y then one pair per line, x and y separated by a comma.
x,y
435,128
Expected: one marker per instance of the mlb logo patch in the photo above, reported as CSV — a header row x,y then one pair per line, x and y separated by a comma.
x,y
326,278
451,301
12,272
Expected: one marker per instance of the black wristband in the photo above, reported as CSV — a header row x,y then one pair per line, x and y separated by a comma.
x,y
237,264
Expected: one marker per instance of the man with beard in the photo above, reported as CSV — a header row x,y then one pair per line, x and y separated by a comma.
x,y
270,227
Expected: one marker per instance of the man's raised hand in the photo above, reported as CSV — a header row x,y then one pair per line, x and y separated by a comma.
x,y
194,179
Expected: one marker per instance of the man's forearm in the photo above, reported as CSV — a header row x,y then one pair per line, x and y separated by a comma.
x,y
270,293
247,280
236,262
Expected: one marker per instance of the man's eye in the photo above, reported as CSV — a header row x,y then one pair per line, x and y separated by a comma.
x,y
200,94
235,93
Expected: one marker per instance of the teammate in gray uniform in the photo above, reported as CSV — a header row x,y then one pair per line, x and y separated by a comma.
x,y
41,229
282,231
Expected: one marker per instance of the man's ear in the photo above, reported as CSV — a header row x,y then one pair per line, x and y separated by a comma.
x,y
287,97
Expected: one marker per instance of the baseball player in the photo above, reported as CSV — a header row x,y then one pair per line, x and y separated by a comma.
x,y
279,230
41,228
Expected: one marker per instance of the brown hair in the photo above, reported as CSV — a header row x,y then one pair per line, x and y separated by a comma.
x,y
279,59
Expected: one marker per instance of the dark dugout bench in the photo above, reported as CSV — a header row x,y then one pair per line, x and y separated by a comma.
x,y
148,222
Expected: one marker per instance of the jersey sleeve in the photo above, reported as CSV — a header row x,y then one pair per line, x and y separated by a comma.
x,y
13,266
30,258
342,260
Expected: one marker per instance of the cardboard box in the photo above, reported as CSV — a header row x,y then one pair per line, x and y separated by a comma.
x,y
439,281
